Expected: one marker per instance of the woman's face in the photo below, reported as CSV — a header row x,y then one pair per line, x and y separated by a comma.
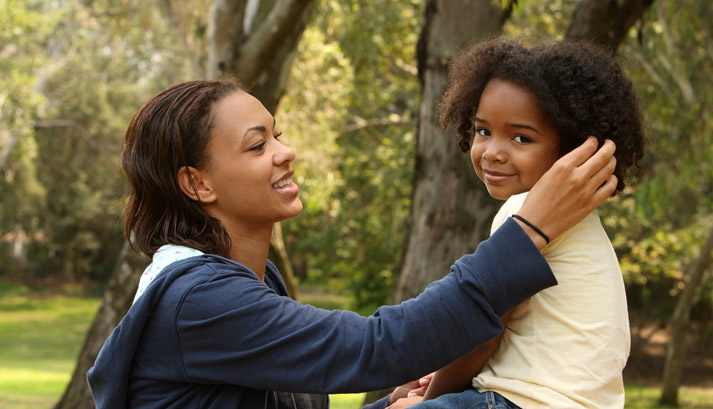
x,y
514,145
248,168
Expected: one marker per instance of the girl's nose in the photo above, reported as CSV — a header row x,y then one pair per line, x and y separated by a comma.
x,y
494,151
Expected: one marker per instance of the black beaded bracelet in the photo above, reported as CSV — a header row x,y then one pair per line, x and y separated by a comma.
x,y
538,231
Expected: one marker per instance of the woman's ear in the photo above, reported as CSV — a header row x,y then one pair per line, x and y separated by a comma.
x,y
194,185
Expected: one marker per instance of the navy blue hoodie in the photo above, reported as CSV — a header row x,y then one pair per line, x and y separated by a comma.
x,y
208,333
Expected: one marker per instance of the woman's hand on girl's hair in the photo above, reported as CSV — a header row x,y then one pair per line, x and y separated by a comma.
x,y
574,186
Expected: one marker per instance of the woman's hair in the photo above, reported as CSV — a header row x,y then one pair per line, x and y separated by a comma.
x,y
171,131
581,87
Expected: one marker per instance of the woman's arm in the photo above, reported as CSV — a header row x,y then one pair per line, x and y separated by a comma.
x,y
458,375
232,329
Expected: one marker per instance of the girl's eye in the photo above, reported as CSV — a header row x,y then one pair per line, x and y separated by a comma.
x,y
482,132
522,139
257,147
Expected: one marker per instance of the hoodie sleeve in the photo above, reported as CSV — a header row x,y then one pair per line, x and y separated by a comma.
x,y
234,329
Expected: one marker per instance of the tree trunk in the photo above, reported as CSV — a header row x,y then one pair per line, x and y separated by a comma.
x,y
606,21
256,42
278,243
451,210
673,366
116,301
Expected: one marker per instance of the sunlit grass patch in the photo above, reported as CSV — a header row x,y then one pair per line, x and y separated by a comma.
x,y
346,401
40,337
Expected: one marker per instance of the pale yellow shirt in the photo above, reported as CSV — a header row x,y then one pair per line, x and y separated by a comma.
x,y
566,347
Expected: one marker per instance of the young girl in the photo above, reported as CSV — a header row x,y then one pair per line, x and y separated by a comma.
x,y
523,108
212,325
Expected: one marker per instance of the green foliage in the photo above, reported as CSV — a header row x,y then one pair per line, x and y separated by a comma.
x,y
540,20
362,159
662,222
78,72
23,33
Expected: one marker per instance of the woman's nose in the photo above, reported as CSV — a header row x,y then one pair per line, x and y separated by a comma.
x,y
284,154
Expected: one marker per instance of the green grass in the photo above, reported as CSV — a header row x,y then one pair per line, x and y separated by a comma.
x,y
40,337
646,397
41,333
346,401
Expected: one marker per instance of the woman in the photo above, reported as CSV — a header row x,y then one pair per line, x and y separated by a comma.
x,y
212,327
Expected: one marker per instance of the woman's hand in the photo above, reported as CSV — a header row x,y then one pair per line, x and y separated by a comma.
x,y
412,389
574,186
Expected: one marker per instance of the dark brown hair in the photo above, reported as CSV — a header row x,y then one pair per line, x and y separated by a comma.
x,y
169,132
581,87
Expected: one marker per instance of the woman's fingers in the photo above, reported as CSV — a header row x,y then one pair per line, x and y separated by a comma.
x,y
599,160
580,154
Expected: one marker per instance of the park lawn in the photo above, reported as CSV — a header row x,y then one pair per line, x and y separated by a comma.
x,y
41,334
40,337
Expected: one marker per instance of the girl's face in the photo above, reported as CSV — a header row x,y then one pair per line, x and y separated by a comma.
x,y
248,168
514,145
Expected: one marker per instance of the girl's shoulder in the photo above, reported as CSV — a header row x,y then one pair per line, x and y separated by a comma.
x,y
510,207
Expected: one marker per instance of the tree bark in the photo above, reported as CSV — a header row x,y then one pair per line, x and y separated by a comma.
x,y
116,301
256,42
673,366
606,21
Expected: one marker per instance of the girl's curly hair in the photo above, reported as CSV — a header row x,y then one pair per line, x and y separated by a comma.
x,y
580,85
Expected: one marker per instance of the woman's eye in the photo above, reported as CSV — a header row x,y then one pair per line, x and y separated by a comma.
x,y
522,139
277,135
257,147
482,132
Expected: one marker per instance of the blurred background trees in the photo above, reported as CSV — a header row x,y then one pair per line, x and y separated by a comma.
x,y
354,89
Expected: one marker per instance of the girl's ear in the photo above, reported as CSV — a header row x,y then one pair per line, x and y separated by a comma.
x,y
194,185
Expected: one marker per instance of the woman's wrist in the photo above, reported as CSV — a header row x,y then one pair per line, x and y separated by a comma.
x,y
537,239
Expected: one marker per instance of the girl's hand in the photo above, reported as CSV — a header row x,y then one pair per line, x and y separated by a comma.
x,y
406,402
574,186
414,388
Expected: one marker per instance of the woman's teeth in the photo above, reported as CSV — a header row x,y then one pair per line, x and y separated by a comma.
x,y
282,183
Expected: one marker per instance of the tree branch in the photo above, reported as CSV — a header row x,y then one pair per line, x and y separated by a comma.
x,y
651,70
225,25
269,36
606,22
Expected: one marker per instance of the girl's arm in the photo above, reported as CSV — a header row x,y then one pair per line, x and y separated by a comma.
x,y
458,375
